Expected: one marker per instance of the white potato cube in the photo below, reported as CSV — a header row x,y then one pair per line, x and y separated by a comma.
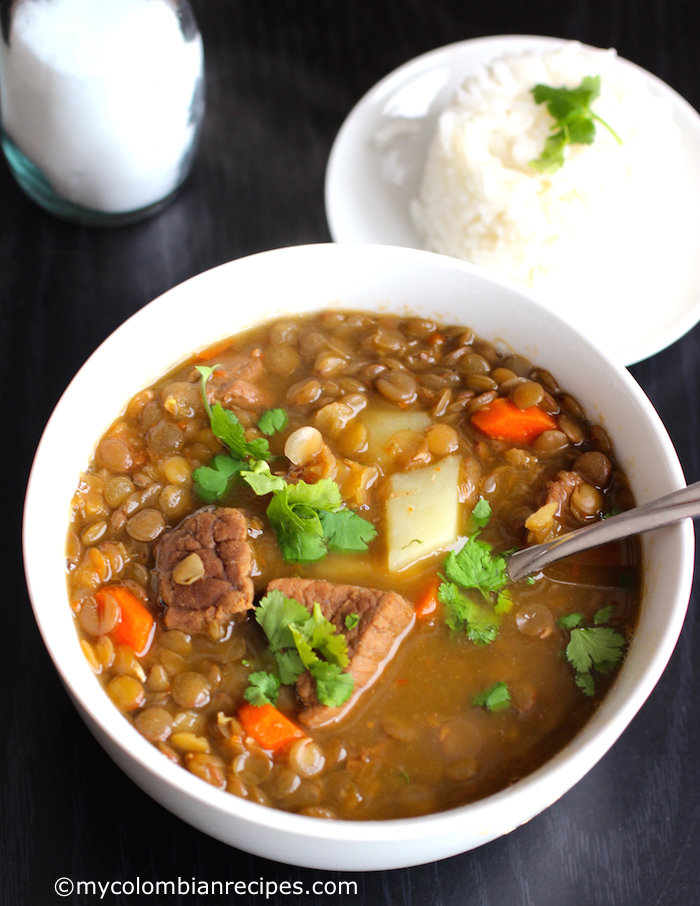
x,y
422,512
382,424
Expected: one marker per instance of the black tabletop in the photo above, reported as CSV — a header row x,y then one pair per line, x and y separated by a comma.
x,y
282,75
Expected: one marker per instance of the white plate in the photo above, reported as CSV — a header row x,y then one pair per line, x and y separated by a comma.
x,y
378,157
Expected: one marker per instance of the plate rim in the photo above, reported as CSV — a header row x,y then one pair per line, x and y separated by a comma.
x,y
689,125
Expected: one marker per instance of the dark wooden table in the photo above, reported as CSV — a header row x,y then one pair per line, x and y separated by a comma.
x,y
282,76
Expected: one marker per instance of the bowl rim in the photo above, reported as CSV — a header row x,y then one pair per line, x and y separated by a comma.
x,y
546,783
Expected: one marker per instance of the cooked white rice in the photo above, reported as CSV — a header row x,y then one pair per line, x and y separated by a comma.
x,y
572,234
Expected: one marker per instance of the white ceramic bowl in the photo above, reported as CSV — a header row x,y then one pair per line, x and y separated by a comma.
x,y
376,278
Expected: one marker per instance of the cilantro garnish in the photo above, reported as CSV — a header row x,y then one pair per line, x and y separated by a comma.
x,y
570,620
272,421
603,615
212,481
309,519
481,512
461,613
575,121
475,566
351,620
299,641
590,648
496,698
599,647
263,689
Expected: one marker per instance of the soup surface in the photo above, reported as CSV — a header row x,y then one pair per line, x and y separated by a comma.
x,y
286,564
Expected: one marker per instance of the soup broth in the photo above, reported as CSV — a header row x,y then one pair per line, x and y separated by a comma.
x,y
438,444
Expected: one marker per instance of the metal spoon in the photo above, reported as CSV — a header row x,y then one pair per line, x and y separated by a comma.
x,y
666,510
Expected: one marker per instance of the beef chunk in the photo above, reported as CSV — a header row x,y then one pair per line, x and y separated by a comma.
x,y
236,382
559,491
204,569
384,616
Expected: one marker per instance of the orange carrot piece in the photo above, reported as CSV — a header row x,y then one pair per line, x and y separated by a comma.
x,y
268,726
427,602
211,352
136,625
503,420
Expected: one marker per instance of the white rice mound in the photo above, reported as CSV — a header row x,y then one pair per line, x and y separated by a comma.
x,y
578,232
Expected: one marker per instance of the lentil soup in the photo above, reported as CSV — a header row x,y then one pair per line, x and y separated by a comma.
x,y
286,566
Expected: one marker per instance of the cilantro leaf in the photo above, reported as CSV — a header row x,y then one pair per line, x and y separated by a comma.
x,y
351,621
474,566
345,531
504,601
206,372
261,479
275,613
463,613
574,120
211,482
599,647
585,682
263,689
496,698
272,421
570,620
310,519
333,688
481,512
603,615
230,431
289,665
300,641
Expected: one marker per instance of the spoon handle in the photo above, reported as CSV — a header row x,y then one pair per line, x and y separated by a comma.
x,y
666,510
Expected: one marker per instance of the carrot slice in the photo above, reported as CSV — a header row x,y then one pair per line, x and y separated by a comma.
x,y
211,352
503,420
136,625
268,726
427,603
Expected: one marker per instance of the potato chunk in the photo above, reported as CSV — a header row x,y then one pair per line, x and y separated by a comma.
x,y
422,512
382,424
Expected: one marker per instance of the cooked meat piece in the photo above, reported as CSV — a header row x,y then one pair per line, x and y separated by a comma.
x,y
204,569
235,383
384,616
559,490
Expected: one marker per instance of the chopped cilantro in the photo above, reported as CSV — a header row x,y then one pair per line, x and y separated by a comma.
x,y
570,620
475,566
481,512
272,421
263,689
595,647
310,519
212,481
261,479
574,120
351,620
599,647
231,432
504,601
496,698
299,640
585,682
603,615
461,613
344,530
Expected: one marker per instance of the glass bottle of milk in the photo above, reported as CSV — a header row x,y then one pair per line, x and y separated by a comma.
x,y
100,102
